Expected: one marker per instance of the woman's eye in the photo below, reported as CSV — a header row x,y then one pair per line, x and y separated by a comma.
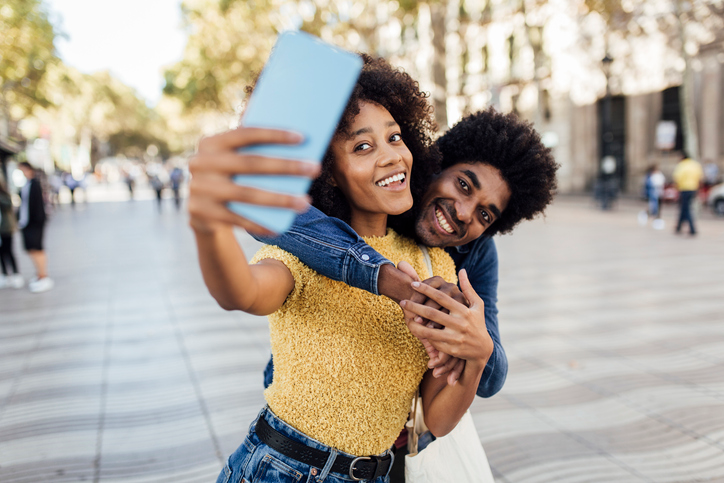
x,y
396,137
463,185
362,147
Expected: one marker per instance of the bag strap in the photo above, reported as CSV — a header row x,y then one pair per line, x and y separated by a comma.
x,y
428,262
412,433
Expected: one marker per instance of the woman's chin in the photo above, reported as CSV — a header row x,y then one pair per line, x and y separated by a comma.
x,y
400,208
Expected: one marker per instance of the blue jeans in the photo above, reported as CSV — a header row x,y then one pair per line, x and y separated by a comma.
x,y
685,199
255,462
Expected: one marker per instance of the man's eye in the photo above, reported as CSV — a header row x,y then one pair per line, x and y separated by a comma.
x,y
486,216
463,185
362,147
396,137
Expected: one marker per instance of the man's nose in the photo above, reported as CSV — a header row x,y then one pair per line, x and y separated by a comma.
x,y
465,211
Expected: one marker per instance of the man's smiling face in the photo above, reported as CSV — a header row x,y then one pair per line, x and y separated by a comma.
x,y
461,203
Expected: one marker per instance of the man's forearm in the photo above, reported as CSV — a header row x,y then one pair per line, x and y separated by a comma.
x,y
332,248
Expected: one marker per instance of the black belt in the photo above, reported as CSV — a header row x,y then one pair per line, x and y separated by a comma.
x,y
361,468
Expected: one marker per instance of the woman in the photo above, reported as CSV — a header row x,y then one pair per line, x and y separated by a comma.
x,y
8,226
347,367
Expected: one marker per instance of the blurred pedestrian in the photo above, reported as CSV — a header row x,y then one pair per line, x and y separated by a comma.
x,y
8,226
129,176
157,185
688,176
655,182
54,184
176,178
607,183
711,174
32,223
72,184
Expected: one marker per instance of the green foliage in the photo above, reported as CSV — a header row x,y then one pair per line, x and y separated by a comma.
x,y
228,44
26,49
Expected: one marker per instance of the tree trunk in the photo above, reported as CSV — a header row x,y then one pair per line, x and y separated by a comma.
x,y
438,11
686,96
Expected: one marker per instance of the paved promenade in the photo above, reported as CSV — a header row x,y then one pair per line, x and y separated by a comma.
x,y
129,372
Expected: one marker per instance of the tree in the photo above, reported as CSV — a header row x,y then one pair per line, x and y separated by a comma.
x,y
28,47
228,44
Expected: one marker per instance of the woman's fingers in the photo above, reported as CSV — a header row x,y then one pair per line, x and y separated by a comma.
x,y
222,190
409,270
247,136
432,293
427,312
231,163
456,372
206,214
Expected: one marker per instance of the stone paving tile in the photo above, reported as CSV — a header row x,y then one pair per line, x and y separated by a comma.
x,y
129,371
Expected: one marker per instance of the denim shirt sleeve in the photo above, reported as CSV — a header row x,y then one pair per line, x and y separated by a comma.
x,y
481,264
331,247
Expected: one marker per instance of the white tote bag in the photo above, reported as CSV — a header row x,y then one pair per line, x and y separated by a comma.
x,y
457,457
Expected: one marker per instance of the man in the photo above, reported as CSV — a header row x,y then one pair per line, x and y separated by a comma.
x,y
32,223
687,176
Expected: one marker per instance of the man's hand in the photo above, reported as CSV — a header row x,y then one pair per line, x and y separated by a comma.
x,y
216,161
465,335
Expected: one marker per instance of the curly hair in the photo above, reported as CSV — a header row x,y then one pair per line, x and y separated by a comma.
x,y
396,91
512,146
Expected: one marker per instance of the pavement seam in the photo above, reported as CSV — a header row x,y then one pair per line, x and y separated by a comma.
x,y
192,375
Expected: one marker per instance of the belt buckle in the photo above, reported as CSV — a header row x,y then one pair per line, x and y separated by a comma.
x,y
351,467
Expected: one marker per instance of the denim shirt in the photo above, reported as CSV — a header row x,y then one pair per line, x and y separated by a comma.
x,y
332,248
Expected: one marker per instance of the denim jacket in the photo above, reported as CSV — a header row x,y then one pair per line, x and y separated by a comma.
x,y
332,248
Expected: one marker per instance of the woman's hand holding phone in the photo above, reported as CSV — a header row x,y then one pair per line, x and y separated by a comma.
x,y
217,160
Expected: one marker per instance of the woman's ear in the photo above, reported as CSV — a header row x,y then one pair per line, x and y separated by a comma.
x,y
331,181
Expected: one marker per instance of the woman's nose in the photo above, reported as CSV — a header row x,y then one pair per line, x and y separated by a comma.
x,y
388,156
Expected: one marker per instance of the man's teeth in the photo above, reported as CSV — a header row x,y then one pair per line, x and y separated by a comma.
x,y
391,179
443,222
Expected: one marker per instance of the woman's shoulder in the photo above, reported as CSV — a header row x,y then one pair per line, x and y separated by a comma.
x,y
275,253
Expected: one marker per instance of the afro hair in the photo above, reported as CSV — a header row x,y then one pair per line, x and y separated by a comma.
x,y
514,148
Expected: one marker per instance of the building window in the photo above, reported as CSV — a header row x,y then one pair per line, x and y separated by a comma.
x,y
671,111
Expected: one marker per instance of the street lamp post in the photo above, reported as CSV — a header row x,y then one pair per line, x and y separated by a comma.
x,y
607,164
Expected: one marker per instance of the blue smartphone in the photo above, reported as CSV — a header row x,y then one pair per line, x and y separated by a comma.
x,y
304,87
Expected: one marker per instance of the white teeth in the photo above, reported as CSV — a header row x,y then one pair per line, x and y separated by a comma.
x,y
443,222
391,179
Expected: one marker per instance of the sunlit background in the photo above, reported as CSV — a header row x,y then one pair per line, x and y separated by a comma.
x,y
83,81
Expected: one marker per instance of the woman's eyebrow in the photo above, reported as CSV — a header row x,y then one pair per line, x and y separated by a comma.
x,y
367,130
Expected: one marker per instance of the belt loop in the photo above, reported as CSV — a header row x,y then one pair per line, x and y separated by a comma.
x,y
328,466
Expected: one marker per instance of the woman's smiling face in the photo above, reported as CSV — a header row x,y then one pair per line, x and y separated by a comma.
x,y
372,166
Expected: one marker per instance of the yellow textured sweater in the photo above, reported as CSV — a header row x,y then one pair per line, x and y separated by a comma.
x,y
345,365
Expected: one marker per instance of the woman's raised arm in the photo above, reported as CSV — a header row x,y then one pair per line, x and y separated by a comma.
x,y
258,289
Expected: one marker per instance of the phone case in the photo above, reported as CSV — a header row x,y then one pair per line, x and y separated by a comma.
x,y
304,87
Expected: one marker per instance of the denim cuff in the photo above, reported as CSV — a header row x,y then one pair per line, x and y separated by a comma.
x,y
362,267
